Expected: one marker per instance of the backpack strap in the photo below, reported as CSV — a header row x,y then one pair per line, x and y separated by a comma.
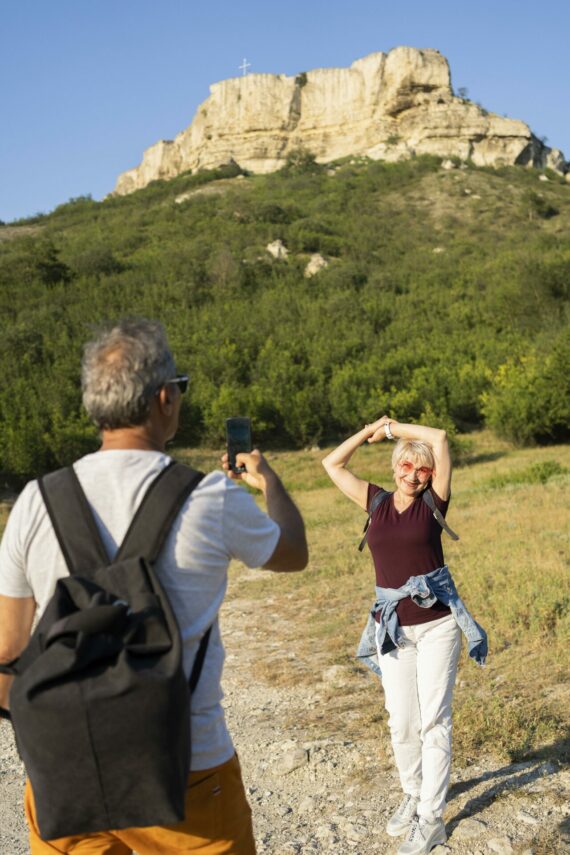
x,y
427,497
73,521
377,500
429,500
151,524
76,529
199,660
159,508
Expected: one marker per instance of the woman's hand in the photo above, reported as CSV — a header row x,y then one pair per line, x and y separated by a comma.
x,y
377,431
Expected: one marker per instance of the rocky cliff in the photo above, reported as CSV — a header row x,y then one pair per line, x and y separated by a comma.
x,y
385,106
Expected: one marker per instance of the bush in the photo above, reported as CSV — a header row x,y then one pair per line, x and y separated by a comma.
x,y
271,213
96,261
529,399
535,205
308,235
48,267
355,393
301,161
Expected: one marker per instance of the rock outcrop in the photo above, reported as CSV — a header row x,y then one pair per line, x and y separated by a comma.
x,y
385,106
316,263
277,249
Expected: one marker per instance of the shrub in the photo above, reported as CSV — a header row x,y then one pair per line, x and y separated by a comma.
x,y
308,235
529,399
96,261
301,161
355,393
271,213
48,267
536,206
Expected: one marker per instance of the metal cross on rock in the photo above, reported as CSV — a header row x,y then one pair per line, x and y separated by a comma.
x,y
244,66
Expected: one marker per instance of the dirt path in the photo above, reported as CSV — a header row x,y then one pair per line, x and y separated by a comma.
x,y
314,791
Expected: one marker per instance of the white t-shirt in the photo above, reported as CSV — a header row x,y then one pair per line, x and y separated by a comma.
x,y
219,521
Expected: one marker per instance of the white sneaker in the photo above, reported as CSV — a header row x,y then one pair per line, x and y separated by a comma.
x,y
402,817
423,836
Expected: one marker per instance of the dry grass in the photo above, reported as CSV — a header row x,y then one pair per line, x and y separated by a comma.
x,y
5,507
480,198
15,232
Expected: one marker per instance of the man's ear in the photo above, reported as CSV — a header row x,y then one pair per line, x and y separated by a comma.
x,y
165,400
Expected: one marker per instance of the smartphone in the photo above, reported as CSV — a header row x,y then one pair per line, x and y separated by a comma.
x,y
238,438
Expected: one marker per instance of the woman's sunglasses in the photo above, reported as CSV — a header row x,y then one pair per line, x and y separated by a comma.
x,y
423,472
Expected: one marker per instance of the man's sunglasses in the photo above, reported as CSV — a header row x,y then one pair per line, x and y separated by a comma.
x,y
181,381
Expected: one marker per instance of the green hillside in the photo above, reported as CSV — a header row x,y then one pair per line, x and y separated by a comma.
x,y
446,298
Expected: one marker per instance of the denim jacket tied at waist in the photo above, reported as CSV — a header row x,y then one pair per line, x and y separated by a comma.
x,y
424,590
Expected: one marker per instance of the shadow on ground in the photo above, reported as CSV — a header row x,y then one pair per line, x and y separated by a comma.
x,y
538,764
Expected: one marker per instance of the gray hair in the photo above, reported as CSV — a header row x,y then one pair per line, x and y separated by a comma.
x,y
122,369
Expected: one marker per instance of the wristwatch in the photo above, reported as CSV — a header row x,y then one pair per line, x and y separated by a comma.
x,y
387,431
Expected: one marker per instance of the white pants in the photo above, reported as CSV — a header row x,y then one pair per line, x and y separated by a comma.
x,y
418,682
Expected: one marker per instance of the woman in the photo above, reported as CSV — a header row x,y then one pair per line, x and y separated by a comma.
x,y
418,647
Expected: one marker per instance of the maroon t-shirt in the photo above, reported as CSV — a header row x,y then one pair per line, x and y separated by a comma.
x,y
403,545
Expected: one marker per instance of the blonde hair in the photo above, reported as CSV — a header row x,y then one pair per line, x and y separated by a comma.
x,y
419,452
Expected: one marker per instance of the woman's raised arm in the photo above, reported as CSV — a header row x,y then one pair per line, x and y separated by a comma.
x,y
335,462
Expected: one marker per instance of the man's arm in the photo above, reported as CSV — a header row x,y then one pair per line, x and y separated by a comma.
x,y
291,552
16,617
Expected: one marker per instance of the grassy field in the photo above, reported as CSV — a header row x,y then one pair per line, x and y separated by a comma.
x,y
511,565
510,507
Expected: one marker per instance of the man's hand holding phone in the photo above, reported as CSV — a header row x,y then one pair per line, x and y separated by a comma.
x,y
241,463
257,470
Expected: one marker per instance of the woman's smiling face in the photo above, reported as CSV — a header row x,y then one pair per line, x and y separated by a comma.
x,y
411,476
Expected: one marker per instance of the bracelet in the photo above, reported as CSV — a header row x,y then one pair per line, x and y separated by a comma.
x,y
388,432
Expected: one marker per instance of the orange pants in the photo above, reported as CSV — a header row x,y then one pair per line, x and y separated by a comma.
x,y
218,822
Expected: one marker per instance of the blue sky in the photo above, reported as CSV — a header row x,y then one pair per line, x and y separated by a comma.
x,y
87,85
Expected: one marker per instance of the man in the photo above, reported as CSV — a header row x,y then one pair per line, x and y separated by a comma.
x,y
132,392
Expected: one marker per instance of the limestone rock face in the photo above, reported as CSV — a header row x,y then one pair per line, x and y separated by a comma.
x,y
385,106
